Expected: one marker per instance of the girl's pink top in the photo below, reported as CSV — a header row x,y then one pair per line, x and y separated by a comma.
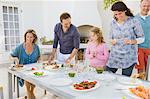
x,y
97,54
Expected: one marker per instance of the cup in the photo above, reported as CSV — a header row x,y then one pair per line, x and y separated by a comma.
x,y
71,65
99,70
81,66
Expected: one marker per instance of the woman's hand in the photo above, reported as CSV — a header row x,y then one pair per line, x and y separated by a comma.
x,y
130,41
16,60
113,41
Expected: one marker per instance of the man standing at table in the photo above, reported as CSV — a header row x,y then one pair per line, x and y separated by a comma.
x,y
144,48
67,35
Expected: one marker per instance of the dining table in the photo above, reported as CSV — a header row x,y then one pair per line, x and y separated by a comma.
x,y
59,83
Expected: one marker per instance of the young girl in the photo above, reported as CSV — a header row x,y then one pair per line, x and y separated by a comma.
x,y
97,51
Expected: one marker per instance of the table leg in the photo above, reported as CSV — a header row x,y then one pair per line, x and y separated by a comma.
x,y
14,82
10,90
148,69
17,87
1,93
44,92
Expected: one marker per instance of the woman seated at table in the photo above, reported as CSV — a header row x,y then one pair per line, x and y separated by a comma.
x,y
97,51
26,53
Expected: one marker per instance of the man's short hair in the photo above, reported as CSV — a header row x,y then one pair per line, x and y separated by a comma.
x,y
64,16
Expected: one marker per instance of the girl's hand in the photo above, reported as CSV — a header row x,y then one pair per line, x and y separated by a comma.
x,y
94,54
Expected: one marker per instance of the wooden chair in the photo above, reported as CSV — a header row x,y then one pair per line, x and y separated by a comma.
x,y
1,92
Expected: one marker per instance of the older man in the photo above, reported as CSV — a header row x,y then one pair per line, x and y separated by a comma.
x,y
144,48
69,39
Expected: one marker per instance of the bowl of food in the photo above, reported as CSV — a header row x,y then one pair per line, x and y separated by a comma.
x,y
99,70
45,63
71,74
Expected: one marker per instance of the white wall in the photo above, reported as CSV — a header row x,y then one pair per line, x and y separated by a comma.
x,y
86,13
32,16
52,11
43,15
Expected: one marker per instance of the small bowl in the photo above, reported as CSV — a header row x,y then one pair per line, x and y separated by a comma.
x,y
71,74
99,70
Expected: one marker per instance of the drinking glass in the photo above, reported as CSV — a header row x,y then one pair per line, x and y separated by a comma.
x,y
81,66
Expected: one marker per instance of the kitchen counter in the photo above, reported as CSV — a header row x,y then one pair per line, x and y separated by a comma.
x,y
82,45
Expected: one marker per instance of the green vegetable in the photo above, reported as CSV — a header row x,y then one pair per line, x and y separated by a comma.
x,y
38,73
123,97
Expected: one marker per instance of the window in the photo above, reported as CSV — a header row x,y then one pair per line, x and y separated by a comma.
x,y
11,27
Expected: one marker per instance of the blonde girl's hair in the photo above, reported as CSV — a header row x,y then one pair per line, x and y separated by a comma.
x,y
33,33
97,31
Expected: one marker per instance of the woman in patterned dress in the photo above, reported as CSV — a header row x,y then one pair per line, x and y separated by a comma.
x,y
126,32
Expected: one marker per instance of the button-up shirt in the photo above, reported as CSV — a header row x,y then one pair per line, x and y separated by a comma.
x,y
25,58
68,40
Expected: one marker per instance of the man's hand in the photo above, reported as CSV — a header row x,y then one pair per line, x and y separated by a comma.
x,y
51,58
52,55
68,61
72,55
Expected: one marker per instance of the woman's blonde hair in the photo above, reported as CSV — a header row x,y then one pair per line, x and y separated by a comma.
x,y
33,33
97,31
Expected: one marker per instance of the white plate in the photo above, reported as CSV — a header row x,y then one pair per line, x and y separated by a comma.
x,y
51,68
61,81
86,90
129,81
29,68
105,77
126,91
45,73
